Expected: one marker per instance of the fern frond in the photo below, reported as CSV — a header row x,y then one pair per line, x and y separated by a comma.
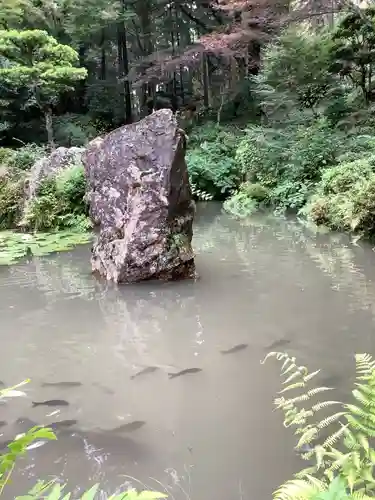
x,y
297,385
318,390
298,489
308,377
324,404
307,437
332,418
331,440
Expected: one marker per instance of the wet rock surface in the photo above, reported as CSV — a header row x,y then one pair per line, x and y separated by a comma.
x,y
141,202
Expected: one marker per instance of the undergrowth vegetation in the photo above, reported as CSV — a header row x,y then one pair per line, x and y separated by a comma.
x,y
338,445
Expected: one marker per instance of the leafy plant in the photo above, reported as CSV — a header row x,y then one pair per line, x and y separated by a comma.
x,y
344,458
25,157
60,202
211,164
15,246
345,196
38,63
11,200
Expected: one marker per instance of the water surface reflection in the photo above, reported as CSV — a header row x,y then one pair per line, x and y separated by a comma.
x,y
210,434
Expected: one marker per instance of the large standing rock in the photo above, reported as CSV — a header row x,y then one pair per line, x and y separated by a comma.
x,y
139,194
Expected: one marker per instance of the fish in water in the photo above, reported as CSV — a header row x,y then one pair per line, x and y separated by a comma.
x,y
63,424
184,372
2,423
236,348
4,444
61,384
278,343
25,423
149,369
2,383
51,402
132,426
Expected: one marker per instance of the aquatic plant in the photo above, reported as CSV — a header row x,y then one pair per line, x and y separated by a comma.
x,y
345,457
15,246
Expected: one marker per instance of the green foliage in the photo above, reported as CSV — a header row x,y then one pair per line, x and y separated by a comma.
x,y
11,200
353,54
247,200
296,74
54,491
15,246
5,154
39,63
343,457
212,167
25,157
345,197
75,130
240,205
60,202
288,162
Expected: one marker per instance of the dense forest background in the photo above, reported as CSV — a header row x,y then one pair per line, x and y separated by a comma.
x,y
276,96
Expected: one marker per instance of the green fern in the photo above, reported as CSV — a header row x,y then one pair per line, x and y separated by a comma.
x,y
346,451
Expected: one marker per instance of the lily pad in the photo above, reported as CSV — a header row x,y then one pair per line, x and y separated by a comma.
x,y
14,246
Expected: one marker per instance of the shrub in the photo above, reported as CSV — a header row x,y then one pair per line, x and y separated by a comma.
x,y
11,201
74,130
247,200
288,161
345,197
211,161
60,202
5,155
71,186
25,157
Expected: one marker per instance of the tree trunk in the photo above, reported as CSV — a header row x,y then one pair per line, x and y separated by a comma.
x,y
49,127
81,88
206,101
103,59
123,70
143,10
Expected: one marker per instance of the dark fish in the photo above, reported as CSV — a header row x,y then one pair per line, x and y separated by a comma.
x,y
330,381
2,423
63,424
50,402
132,426
149,369
2,383
25,423
184,372
278,343
4,444
105,389
61,384
236,348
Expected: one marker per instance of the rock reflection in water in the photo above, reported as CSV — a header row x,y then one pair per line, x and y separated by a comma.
x,y
267,282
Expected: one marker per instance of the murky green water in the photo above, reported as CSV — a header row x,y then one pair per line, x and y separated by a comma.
x,y
210,434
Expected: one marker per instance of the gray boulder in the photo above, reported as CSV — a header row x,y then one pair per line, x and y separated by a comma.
x,y
49,166
141,202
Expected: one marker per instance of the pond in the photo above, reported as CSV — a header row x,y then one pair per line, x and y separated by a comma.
x,y
205,435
